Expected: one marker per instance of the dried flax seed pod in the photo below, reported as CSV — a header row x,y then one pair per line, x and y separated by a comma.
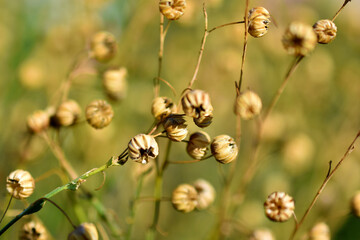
x,y
184,198
262,234
259,20
67,113
204,120
175,127
224,149
103,46
320,231
172,9
20,184
279,207
206,194
33,231
84,231
99,114
248,105
162,107
143,148
299,39
38,121
325,30
355,204
114,82
197,144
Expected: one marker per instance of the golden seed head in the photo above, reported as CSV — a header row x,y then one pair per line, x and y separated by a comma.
x,y
248,105
114,81
259,20
325,30
299,39
355,204
206,194
162,107
184,198
197,145
175,127
204,120
172,9
67,113
143,148
320,231
224,149
20,184
84,231
33,231
279,206
103,46
38,121
99,114
262,234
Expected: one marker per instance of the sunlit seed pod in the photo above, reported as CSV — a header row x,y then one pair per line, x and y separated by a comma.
x,y
279,207
355,204
115,84
196,104
197,145
206,194
204,120
99,114
103,46
259,20
67,113
320,231
172,9
84,231
299,39
175,127
38,121
262,234
184,198
33,231
20,184
325,30
248,105
162,107
224,149
143,148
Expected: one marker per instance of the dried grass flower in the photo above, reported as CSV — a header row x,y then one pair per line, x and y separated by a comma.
x,y
20,184
325,30
259,20
299,39
172,9
84,231
33,231
184,198
99,114
279,206
224,149
143,148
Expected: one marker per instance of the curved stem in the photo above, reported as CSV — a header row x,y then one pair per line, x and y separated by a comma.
x,y
224,25
7,207
61,210
341,8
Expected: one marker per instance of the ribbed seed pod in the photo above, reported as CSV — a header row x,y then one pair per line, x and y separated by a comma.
x,y
206,194
248,105
38,121
172,9
114,81
184,198
84,231
67,113
196,104
299,39
143,148
162,107
103,46
198,144
20,184
262,234
175,127
224,149
279,207
33,231
204,120
259,20
320,231
325,30
99,114
355,204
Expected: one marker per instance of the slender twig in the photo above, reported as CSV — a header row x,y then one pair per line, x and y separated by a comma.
x,y
61,210
341,8
7,207
224,25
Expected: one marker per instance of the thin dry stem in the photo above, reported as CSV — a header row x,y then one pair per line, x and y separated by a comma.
x,y
224,25
341,8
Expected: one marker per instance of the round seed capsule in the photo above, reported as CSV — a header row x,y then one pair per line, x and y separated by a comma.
x,y
84,231
175,127
259,20
325,30
33,231
103,46
162,107
279,206
172,9
204,120
248,105
320,231
197,144
224,149
114,81
262,234
38,121
67,113
99,114
20,184
143,148
355,204
206,194
184,198
299,39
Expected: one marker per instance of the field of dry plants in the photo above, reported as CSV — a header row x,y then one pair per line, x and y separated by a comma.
x,y
180,119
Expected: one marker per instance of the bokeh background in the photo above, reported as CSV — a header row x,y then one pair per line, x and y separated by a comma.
x,y
314,122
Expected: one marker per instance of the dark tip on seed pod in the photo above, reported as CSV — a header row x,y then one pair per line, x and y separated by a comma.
x,y
172,9
279,207
299,39
259,20
99,114
175,127
84,231
20,184
143,148
325,30
103,46
33,231
224,149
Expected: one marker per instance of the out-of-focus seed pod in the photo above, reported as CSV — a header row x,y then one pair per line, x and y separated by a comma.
x,y
33,231
38,121
32,74
20,184
67,113
224,149
262,234
355,204
84,231
103,46
206,194
325,30
259,20
162,107
248,105
184,198
320,231
175,127
99,114
114,81
143,148
172,9
299,39
197,144
279,207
